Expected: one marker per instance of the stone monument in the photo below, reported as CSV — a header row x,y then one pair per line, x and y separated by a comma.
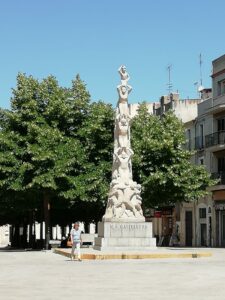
x,y
123,226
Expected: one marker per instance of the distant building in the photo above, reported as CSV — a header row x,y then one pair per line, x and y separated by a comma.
x,y
133,108
184,109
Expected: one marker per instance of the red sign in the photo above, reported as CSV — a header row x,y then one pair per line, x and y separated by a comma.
x,y
157,214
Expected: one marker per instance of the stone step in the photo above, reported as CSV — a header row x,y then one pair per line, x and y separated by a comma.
x,y
154,254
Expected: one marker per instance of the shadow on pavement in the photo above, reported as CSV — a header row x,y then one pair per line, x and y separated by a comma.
x,y
12,249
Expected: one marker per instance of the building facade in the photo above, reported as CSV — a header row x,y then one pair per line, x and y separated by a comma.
x,y
200,223
203,222
167,218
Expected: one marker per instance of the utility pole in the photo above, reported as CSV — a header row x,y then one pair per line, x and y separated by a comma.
x,y
197,89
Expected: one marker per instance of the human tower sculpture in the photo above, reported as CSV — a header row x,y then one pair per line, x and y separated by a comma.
x,y
124,198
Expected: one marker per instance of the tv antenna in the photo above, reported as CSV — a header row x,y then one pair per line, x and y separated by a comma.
x,y
200,68
197,88
169,84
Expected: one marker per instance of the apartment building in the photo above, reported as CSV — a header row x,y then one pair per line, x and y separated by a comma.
x,y
200,223
203,222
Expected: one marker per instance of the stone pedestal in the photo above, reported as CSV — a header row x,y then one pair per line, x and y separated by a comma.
x,y
124,236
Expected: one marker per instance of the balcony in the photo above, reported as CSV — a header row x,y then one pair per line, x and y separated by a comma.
x,y
220,176
215,139
218,104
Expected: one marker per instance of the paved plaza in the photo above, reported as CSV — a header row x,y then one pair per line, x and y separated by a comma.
x,y
45,275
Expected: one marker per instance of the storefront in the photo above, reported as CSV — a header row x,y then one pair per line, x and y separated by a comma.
x,y
220,223
163,225
219,204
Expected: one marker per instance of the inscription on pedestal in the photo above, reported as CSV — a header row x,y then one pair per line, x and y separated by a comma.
x,y
129,230
128,227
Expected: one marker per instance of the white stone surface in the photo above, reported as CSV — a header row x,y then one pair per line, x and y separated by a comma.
x,y
124,199
124,236
47,276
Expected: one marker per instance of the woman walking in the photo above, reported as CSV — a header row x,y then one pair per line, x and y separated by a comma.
x,y
75,235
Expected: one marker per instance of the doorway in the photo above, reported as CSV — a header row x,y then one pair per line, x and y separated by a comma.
x,y
189,228
223,228
203,235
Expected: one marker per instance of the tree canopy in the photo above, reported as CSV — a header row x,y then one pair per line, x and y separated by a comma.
x,y
55,144
162,164
56,148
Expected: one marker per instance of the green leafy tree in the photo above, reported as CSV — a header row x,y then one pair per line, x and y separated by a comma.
x,y
46,157
97,137
162,164
55,144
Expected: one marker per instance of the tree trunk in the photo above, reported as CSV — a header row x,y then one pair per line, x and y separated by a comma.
x,y
96,227
15,237
63,230
47,219
24,238
30,229
41,234
86,227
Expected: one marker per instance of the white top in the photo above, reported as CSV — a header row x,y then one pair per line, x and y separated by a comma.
x,y
75,235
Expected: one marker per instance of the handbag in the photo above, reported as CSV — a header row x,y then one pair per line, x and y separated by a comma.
x,y
69,243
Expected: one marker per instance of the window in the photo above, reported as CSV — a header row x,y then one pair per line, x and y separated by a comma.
x,y
221,164
202,213
221,87
201,141
189,138
201,161
221,124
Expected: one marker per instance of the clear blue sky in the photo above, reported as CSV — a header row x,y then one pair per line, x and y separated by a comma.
x,y
93,37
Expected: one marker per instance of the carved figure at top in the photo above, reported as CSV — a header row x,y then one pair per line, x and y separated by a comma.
x,y
124,75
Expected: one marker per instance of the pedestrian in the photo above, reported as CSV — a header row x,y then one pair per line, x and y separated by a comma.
x,y
75,235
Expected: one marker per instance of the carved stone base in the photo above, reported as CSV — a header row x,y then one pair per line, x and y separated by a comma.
x,y
125,220
124,236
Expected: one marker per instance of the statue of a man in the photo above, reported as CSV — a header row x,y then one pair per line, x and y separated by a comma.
x,y
123,91
123,131
136,199
123,159
124,75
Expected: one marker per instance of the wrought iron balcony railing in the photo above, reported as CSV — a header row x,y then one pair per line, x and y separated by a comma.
x,y
220,176
216,138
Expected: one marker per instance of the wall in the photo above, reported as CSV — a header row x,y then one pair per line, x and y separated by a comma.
x,y
186,110
133,108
